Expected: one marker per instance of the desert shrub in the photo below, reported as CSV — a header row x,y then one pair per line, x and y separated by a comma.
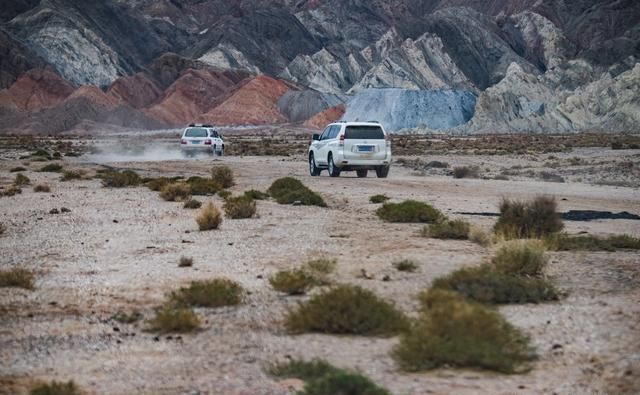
x,y
125,318
321,265
185,262
11,191
455,332
41,188
346,309
54,211
17,169
192,204
322,378
409,211
240,207
224,194
486,285
3,228
533,219
56,388
466,172
42,153
520,257
551,177
21,180
19,278
176,192
256,195
289,190
209,293
222,175
565,242
378,199
51,168
203,186
69,175
170,319
479,236
116,179
156,184
209,217
450,229
437,164
406,265
292,282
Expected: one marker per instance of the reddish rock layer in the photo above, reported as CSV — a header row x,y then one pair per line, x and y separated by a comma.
x,y
321,119
35,89
137,90
194,93
253,104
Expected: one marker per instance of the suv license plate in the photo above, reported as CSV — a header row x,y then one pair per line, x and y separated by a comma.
x,y
195,142
365,148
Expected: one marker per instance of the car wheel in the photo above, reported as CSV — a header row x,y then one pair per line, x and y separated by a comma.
x,y
334,171
362,173
313,169
382,171
221,152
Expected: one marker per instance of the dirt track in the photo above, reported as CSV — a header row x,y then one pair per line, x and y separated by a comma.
x,y
117,250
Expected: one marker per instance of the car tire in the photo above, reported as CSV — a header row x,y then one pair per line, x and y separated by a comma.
x,y
313,169
362,173
382,171
334,171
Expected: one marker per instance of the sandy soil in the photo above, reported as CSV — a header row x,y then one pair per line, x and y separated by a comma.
x,y
117,250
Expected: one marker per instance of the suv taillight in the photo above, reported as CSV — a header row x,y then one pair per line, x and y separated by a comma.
x,y
183,141
387,139
207,142
341,143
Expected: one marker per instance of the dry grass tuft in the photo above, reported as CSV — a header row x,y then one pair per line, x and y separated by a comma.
x,y
21,180
292,282
116,179
185,262
174,320
209,217
203,186
192,204
41,188
210,293
56,388
406,265
450,229
409,211
466,172
51,168
176,192
20,278
533,219
223,176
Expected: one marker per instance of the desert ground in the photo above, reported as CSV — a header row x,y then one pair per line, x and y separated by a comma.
x,y
117,251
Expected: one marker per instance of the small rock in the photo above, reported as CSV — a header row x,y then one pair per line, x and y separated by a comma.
x,y
297,203
54,211
64,210
156,339
386,278
115,221
260,276
230,244
116,329
187,232
556,346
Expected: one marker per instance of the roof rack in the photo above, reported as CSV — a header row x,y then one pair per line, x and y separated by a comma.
x,y
192,125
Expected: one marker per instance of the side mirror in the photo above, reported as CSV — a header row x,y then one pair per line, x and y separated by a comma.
x,y
315,137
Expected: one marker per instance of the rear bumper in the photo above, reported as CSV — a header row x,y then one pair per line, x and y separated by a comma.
x,y
196,148
351,163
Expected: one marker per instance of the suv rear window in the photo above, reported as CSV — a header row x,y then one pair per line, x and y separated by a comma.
x,y
364,133
196,132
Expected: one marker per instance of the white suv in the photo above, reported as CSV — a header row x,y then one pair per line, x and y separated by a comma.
x,y
202,138
348,146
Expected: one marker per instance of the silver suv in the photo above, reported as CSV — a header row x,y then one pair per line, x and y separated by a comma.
x,y
202,138
348,146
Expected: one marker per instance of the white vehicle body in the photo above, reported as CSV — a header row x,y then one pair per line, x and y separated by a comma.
x,y
204,138
349,146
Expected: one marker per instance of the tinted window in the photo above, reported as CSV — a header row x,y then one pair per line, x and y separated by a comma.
x,y
214,133
364,132
335,129
325,133
195,132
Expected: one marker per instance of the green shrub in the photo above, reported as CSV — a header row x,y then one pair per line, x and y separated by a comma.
x,y
520,257
192,204
454,332
19,278
203,186
321,266
323,378
222,175
156,184
256,195
292,282
289,190
409,211
42,153
224,194
346,309
176,192
534,219
174,320
125,318
486,285
51,168
42,188
209,217
406,265
466,172
210,293
17,169
116,179
564,242
378,198
450,229
69,175
21,180
240,207
56,388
